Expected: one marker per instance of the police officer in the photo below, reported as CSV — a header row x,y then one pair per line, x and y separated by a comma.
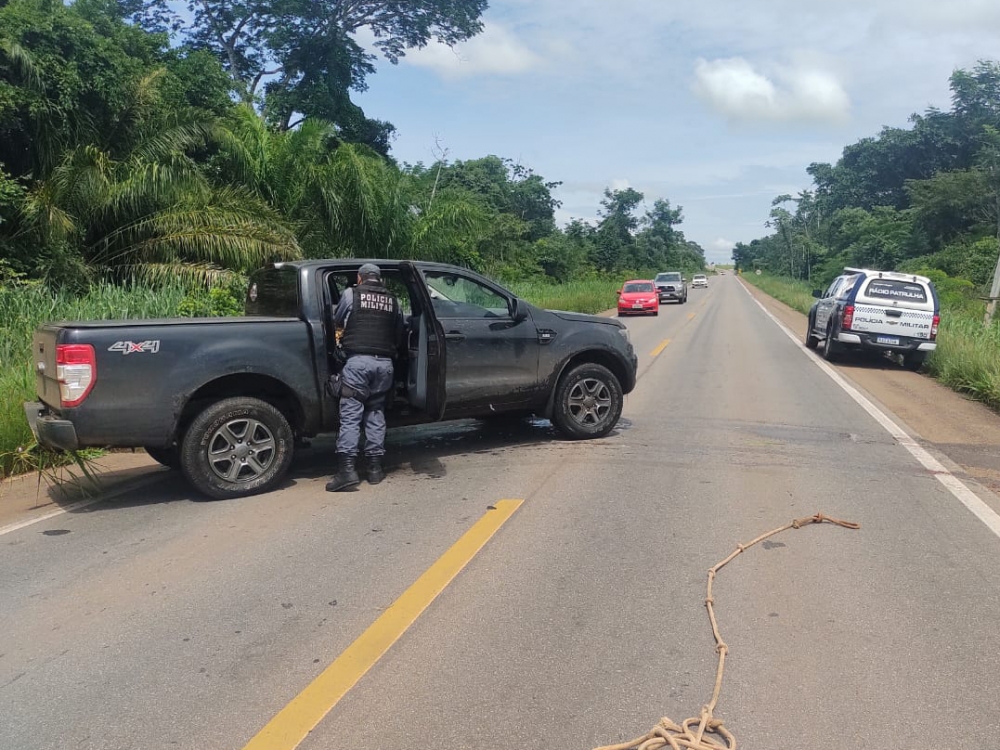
x,y
373,331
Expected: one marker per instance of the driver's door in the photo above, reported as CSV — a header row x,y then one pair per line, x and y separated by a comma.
x,y
426,380
492,357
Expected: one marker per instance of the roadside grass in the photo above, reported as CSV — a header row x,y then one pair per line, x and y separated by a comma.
x,y
22,308
589,296
794,293
967,358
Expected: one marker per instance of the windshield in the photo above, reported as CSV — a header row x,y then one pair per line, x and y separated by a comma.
x,y
639,287
668,277
699,276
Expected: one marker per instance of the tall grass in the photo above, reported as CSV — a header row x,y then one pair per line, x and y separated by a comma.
x,y
22,309
590,296
793,292
967,358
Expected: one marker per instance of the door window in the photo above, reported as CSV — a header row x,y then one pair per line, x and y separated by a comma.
x,y
455,296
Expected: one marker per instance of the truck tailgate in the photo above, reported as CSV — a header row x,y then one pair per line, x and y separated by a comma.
x,y
43,357
892,321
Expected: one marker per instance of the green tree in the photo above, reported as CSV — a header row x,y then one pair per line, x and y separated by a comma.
x,y
104,135
616,231
302,56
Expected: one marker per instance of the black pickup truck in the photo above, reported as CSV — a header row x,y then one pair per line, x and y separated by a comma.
x,y
226,399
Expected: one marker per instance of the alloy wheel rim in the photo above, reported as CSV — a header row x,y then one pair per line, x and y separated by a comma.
x,y
241,450
590,402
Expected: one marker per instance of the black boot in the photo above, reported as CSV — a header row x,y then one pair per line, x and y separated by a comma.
x,y
376,473
346,476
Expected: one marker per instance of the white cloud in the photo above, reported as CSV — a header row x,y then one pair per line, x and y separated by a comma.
x,y
620,183
735,89
723,245
496,51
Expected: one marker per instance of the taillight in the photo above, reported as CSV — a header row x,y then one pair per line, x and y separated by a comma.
x,y
76,372
848,319
934,326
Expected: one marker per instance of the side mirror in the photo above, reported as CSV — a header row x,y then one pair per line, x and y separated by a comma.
x,y
619,292
818,293
520,310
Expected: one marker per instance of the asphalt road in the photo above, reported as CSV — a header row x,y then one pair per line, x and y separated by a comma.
x,y
151,621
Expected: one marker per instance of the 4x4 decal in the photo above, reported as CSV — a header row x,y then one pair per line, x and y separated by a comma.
x,y
135,347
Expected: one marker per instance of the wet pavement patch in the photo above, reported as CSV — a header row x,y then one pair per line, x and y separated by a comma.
x,y
55,532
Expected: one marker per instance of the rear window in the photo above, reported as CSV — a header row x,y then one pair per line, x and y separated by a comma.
x,y
638,287
273,293
894,289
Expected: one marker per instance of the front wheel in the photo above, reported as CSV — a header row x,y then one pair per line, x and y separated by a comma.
x,y
588,402
237,447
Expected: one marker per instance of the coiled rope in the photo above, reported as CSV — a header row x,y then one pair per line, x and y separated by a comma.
x,y
705,732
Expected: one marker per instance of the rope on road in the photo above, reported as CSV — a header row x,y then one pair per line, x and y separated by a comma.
x,y
705,732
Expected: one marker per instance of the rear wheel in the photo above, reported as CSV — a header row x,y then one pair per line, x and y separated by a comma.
x,y
588,402
831,349
914,360
811,340
169,457
236,447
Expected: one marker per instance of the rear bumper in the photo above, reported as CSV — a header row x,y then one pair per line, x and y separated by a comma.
x,y
870,341
49,430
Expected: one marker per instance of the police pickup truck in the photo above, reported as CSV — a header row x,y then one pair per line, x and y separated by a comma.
x,y
226,399
884,310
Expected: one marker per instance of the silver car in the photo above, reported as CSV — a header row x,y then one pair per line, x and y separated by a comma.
x,y
671,285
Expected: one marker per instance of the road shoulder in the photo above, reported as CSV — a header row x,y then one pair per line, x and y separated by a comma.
x,y
963,431
33,496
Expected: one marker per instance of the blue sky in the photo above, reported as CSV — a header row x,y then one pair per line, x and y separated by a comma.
x,y
717,105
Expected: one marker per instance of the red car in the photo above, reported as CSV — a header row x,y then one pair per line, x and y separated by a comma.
x,y
638,296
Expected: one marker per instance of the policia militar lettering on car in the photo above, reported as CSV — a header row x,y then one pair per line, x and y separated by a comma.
x,y
226,400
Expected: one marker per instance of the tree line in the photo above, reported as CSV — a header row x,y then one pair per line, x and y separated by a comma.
x,y
139,142
911,199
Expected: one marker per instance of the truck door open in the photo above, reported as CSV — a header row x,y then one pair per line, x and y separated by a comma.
x,y
425,346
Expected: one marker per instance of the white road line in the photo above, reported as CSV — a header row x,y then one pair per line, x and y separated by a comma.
x,y
953,484
139,483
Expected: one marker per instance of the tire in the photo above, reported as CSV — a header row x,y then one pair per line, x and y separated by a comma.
x,y
168,457
914,360
588,402
237,447
831,349
655,313
811,341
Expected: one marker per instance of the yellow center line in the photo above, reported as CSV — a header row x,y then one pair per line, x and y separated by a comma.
x,y
663,345
691,316
296,720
